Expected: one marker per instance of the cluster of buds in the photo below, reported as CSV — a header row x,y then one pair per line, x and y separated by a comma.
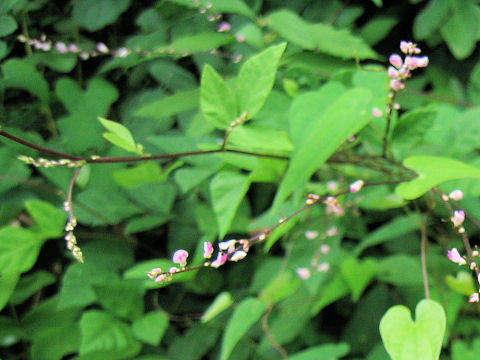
x,y
70,237
454,256
401,69
456,195
316,266
457,220
45,163
333,206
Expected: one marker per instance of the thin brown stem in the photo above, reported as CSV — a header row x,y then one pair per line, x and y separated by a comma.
x,y
270,336
423,251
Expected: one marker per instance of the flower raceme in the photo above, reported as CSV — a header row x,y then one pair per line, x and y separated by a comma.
x,y
400,69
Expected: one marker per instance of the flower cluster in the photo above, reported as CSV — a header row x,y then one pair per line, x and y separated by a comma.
x,y
401,69
316,266
70,237
454,256
45,163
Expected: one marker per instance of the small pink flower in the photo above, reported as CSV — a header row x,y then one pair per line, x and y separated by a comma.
x,y
173,270
332,185
458,218
238,255
397,85
392,72
122,52
73,48
102,48
323,267
474,298
456,195
228,246
396,60
220,260
405,46
325,249
454,256
311,234
376,112
160,278
152,274
180,257
240,37
413,62
303,273
333,231
207,250
224,26
356,186
61,47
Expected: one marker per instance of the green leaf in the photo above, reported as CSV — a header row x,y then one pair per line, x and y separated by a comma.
x,y
227,190
412,126
94,15
222,302
377,29
216,99
255,79
19,249
326,352
7,25
151,327
49,220
247,313
359,274
400,225
282,286
460,31
8,281
121,298
433,171
259,137
322,37
171,105
146,222
20,74
120,136
431,18
401,270
407,340
104,335
346,116
29,285
10,331
199,42
219,6
462,284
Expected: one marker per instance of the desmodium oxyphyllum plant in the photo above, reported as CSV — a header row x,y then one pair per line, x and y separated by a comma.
x,y
241,179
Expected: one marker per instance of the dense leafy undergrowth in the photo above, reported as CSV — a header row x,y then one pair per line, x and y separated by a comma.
x,y
130,130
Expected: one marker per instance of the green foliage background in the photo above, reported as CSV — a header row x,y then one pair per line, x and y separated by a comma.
x,y
295,83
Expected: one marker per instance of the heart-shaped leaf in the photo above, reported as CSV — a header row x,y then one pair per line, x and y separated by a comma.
x,y
432,171
419,340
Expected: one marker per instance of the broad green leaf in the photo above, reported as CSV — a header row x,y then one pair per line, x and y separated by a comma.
x,y
94,15
460,31
199,42
146,173
255,79
56,342
171,105
433,171
120,136
253,136
399,226
247,313
412,126
377,29
358,274
462,351
343,118
430,18
408,340
322,37
8,281
7,25
102,334
222,302
282,286
462,284
227,190
326,352
151,327
220,6
195,343
19,249
49,220
121,298
401,270
10,331
20,74
336,289
216,99
146,222
29,285
190,177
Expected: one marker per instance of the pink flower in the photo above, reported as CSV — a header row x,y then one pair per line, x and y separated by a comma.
x,y
474,298
61,47
332,185
456,195
396,60
220,260
376,112
303,273
311,234
240,37
102,48
160,278
152,274
323,267
122,52
73,48
397,85
224,26
238,255
356,186
413,62
207,250
454,256
458,218
325,249
180,257
392,72
228,246
333,231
